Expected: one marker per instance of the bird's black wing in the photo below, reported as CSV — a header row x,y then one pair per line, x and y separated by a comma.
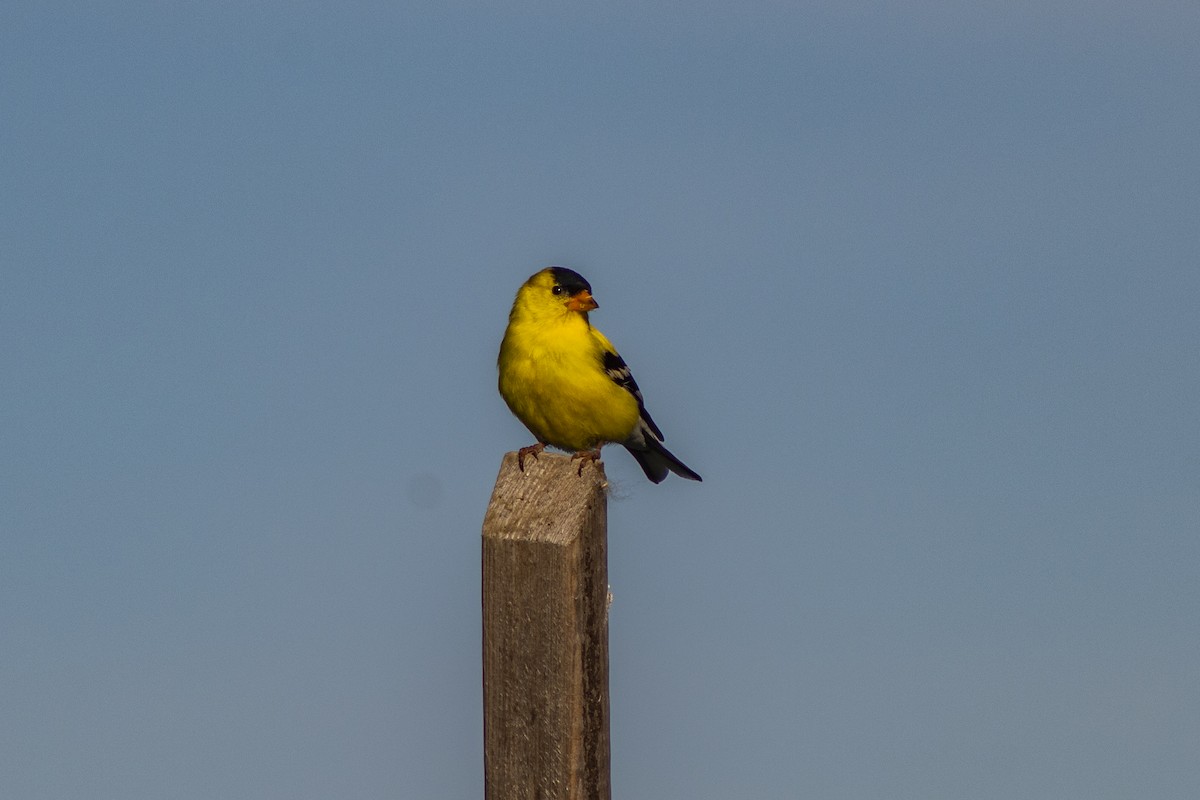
x,y
618,370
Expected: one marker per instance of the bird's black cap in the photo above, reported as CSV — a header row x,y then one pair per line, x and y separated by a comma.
x,y
570,280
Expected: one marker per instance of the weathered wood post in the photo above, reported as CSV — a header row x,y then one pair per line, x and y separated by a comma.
x,y
545,632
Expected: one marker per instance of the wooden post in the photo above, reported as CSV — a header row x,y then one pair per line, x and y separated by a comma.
x,y
545,632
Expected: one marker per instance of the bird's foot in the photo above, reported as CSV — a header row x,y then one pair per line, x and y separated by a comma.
x,y
584,457
532,450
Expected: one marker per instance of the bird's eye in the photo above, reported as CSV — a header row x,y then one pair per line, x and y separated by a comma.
x,y
558,290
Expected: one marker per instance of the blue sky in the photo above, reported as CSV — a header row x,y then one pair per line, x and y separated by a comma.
x,y
914,287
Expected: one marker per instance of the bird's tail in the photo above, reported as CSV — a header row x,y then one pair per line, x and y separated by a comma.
x,y
656,461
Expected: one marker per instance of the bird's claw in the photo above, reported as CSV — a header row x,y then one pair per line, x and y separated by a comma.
x,y
532,450
584,457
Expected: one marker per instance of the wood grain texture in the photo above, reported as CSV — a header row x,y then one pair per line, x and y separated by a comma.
x,y
545,632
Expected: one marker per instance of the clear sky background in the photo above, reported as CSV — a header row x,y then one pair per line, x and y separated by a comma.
x,y
914,286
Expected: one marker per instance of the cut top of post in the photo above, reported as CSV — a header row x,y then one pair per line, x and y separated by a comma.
x,y
547,502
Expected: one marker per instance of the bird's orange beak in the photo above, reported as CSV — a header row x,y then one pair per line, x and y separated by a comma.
x,y
582,301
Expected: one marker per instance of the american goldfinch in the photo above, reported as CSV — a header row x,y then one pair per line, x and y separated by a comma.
x,y
565,381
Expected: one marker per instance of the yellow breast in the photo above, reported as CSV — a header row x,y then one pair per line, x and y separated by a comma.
x,y
553,379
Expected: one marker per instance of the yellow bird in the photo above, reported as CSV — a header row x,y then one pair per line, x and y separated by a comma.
x,y
565,381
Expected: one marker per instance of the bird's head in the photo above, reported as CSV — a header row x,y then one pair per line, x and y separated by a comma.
x,y
557,291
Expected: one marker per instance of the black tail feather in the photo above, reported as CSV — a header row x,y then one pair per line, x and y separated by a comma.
x,y
656,461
